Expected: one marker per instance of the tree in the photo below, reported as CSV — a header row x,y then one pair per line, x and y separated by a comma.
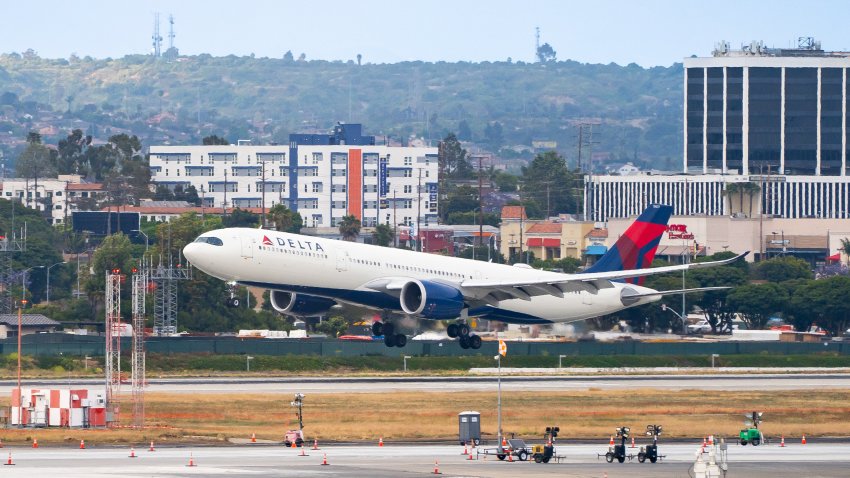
x,y
462,199
349,228
70,152
506,182
359,58
757,302
288,57
215,140
548,183
781,269
285,219
822,302
333,326
715,303
545,53
493,134
173,236
383,235
845,248
240,218
452,159
36,160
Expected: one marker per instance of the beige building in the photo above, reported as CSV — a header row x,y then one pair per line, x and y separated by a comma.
x,y
548,239
808,238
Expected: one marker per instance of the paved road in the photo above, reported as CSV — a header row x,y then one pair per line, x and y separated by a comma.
x,y
727,382
813,460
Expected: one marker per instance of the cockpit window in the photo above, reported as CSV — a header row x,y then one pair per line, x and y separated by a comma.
x,y
211,240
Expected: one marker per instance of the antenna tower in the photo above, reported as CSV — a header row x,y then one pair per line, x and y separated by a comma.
x,y
157,39
113,343
165,277
140,282
8,276
170,32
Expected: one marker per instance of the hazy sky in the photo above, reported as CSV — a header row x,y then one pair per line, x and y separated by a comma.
x,y
646,32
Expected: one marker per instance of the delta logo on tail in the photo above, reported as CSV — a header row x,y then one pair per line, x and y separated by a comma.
x,y
267,241
635,249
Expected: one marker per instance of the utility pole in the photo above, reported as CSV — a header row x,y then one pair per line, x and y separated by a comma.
x,y
395,223
480,203
419,214
224,203
263,195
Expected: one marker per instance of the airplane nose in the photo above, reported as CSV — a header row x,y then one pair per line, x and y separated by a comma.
x,y
190,252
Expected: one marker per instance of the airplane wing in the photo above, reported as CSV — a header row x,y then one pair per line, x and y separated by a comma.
x,y
494,291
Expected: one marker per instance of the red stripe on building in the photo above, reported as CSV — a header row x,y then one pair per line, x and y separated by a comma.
x,y
355,183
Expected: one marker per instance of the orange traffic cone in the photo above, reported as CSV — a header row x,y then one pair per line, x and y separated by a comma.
x,y
469,456
325,459
9,462
611,441
633,442
504,442
804,440
302,450
35,442
132,452
381,441
293,445
151,448
191,460
510,457
437,467
704,442
465,449
82,444
782,442
253,438
315,444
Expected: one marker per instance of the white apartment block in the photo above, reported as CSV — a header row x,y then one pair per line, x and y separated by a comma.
x,y
60,196
378,184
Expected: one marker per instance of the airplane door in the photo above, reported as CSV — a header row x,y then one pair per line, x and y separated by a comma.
x,y
247,247
341,260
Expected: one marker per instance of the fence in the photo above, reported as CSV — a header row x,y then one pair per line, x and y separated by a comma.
x,y
80,345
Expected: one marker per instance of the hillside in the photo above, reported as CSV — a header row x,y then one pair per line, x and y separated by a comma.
x,y
639,111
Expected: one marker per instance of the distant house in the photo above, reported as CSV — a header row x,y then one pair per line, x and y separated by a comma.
x,y
30,324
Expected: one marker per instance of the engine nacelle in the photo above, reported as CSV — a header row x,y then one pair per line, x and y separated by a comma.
x,y
299,305
431,300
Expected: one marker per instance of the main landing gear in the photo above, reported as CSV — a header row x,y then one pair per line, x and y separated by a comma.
x,y
461,330
391,339
231,301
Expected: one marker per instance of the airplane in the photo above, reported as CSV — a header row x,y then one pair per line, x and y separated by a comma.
x,y
307,275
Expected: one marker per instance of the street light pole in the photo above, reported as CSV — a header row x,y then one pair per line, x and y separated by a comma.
x,y
48,279
146,238
499,397
24,283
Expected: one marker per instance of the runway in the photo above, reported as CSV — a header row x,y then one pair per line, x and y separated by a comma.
x,y
316,384
812,460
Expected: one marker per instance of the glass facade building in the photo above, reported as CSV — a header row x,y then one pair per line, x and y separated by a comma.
x,y
763,111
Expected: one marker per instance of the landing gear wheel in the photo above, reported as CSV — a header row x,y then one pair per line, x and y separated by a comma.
x,y
464,341
522,455
474,342
234,302
609,457
377,328
451,330
400,340
463,329
389,340
641,457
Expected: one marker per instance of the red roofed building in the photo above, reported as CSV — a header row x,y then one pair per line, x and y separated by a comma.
x,y
546,239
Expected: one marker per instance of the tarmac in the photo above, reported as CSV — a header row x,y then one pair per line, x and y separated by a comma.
x,y
766,461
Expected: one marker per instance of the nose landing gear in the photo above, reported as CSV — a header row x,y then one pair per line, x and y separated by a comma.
x,y
231,301
466,339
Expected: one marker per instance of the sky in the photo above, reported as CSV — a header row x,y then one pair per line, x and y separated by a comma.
x,y
646,32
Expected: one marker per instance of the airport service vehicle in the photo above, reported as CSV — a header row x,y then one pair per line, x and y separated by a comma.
x,y
544,453
752,434
307,276
516,447
650,452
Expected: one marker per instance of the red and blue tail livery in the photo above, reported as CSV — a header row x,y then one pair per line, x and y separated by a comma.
x,y
636,248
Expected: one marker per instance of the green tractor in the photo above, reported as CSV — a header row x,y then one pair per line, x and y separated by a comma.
x,y
752,434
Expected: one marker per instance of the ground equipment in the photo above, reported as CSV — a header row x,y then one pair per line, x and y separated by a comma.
x,y
619,451
651,451
544,453
752,434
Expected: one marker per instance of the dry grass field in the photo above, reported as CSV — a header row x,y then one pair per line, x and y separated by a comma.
x,y
420,416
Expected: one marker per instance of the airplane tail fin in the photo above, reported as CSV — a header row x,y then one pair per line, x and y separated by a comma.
x,y
636,248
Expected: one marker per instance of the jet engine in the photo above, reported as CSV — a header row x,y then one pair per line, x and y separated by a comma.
x,y
431,300
299,305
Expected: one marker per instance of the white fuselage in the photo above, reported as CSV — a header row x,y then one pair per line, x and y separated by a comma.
x,y
340,270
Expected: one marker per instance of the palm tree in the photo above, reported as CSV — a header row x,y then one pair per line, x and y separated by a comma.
x,y
731,189
349,228
285,219
751,189
845,248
